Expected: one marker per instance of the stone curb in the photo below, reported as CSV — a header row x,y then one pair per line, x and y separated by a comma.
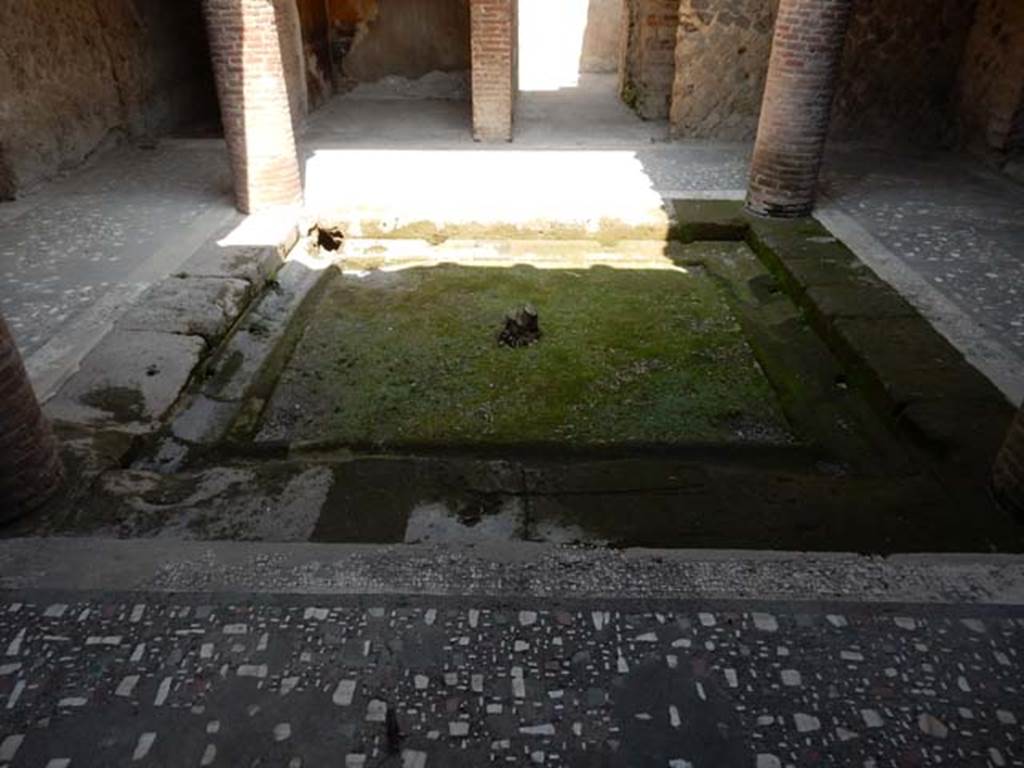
x,y
507,570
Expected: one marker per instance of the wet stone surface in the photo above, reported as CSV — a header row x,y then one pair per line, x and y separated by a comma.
x,y
119,679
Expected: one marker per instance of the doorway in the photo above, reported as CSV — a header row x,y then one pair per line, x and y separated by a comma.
x,y
570,54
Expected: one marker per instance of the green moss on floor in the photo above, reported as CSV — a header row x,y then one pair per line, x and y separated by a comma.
x,y
627,357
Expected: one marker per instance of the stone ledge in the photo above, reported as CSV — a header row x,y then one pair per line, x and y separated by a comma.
x,y
509,570
189,306
130,380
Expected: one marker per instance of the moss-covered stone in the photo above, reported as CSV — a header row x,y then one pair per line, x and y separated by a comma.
x,y
627,357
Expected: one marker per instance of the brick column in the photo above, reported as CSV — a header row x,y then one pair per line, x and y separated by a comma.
x,y
806,51
249,69
1008,479
30,467
493,32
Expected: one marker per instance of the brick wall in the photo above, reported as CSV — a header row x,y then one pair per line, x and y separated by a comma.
x,y
797,105
1009,471
30,468
493,42
991,88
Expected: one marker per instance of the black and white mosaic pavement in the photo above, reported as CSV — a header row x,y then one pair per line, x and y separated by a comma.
x,y
157,679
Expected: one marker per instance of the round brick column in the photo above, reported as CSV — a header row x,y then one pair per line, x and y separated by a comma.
x,y
1008,478
249,68
30,467
806,51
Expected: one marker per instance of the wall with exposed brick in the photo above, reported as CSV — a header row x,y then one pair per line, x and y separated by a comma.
x,y
649,64
721,64
991,87
493,43
897,81
79,75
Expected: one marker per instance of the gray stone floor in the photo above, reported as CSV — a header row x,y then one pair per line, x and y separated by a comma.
x,y
129,219
947,232
229,674
959,225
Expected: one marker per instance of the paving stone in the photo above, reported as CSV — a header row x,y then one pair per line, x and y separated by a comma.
x,y
859,301
131,377
204,420
255,264
237,365
192,306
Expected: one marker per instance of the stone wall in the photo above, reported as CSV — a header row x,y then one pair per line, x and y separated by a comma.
x,y
72,80
80,75
899,74
410,38
649,64
897,82
721,62
991,88
602,36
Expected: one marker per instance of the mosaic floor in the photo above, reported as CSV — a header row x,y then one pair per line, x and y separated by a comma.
x,y
119,679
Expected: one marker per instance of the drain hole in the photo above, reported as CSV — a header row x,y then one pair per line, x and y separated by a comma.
x,y
329,239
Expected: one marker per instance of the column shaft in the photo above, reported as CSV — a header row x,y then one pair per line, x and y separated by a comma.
x,y
806,52
249,69
30,466
493,32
